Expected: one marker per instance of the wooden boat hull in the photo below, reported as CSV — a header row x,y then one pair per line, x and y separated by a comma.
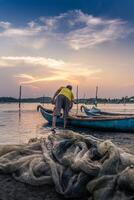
x,y
120,123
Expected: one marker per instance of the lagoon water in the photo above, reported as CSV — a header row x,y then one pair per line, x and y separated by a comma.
x,y
18,128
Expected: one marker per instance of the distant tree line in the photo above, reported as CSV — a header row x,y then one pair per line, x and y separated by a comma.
x,y
81,100
122,100
25,100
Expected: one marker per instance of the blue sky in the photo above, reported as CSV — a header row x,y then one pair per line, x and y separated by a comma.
x,y
21,11
48,43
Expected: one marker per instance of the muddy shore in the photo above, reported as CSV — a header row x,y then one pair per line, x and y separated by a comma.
x,y
11,189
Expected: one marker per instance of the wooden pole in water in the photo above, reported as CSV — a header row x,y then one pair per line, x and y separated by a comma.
x,y
20,92
43,100
77,95
96,96
84,97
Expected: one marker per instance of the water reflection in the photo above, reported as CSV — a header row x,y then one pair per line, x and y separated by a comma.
x,y
18,127
19,116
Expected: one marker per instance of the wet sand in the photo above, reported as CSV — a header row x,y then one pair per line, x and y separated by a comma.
x,y
13,190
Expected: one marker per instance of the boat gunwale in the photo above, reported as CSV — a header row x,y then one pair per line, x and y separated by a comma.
x,y
103,113
85,118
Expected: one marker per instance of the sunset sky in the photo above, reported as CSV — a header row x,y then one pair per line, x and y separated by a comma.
x,y
45,44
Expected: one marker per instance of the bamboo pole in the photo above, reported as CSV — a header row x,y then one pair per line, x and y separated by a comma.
x,y
96,96
84,97
20,93
77,95
43,99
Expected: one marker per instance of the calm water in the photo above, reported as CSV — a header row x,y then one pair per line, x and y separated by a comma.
x,y
18,128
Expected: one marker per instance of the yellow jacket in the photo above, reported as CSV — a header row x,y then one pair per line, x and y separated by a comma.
x,y
67,93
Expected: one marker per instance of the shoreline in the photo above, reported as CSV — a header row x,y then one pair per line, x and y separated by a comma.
x,y
87,101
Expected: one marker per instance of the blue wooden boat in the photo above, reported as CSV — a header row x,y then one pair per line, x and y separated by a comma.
x,y
109,123
97,112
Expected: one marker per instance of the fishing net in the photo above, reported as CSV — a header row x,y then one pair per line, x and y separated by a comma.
x,y
76,165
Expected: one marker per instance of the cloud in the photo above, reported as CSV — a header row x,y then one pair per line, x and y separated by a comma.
x,y
41,61
5,25
90,36
8,30
37,80
75,29
61,75
48,69
25,76
80,30
43,74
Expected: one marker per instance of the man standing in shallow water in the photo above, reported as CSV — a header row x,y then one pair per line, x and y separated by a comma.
x,y
63,99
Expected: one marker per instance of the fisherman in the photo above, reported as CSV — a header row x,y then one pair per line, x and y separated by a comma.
x,y
63,99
